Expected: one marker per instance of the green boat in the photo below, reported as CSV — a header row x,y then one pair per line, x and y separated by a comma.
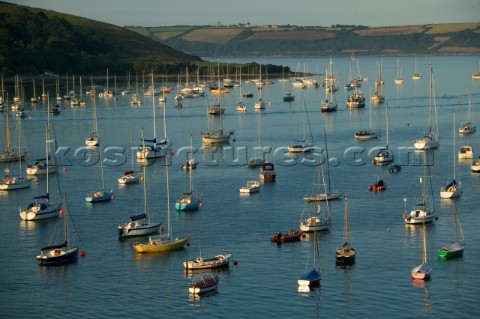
x,y
451,251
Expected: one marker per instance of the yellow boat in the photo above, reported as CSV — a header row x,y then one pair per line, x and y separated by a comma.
x,y
161,243
220,91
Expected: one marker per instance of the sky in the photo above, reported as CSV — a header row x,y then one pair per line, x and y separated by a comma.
x,y
372,13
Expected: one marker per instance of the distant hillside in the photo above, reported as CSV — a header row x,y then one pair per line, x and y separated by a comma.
x,y
245,40
35,41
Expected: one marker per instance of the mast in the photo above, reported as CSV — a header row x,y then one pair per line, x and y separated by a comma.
x,y
144,179
9,144
153,108
328,162
347,231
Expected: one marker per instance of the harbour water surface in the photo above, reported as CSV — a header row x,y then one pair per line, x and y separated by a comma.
x,y
114,281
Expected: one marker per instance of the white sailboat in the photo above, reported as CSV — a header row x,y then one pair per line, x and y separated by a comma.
x,y
93,139
305,144
258,157
42,209
241,106
384,155
42,166
416,76
154,150
454,188
139,225
315,221
467,127
398,74
260,104
329,193
102,194
430,139
131,176
424,210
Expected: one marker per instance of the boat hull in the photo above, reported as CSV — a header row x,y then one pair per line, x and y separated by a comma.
x,y
156,245
95,197
323,197
451,251
310,279
188,207
143,229
219,261
422,272
58,256
34,214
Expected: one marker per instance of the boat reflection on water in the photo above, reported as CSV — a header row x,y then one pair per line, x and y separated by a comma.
x,y
196,299
427,303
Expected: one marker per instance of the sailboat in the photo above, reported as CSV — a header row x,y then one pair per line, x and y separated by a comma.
x,y
312,277
131,176
430,139
241,107
456,248
467,127
384,155
398,74
364,135
10,155
454,188
163,242
189,201
102,194
42,209
329,193
74,101
287,96
44,94
315,221
33,99
62,253
305,144
12,182
378,97
346,254
41,166
416,75
258,158
107,93
424,211
155,150
218,136
139,225
93,139
260,104
135,97
330,103
422,271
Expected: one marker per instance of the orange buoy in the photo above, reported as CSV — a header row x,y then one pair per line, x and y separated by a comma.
x,y
235,262
82,253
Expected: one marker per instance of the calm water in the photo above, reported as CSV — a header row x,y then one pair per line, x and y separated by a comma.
x,y
112,280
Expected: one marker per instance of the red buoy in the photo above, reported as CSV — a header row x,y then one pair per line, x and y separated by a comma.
x,y
61,212
82,253
162,229
64,169
235,262
201,204
113,196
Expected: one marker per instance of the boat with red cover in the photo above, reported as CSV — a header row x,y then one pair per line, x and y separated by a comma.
x,y
292,235
378,186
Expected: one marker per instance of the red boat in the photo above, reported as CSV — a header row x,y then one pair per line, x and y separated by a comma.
x,y
292,235
378,186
